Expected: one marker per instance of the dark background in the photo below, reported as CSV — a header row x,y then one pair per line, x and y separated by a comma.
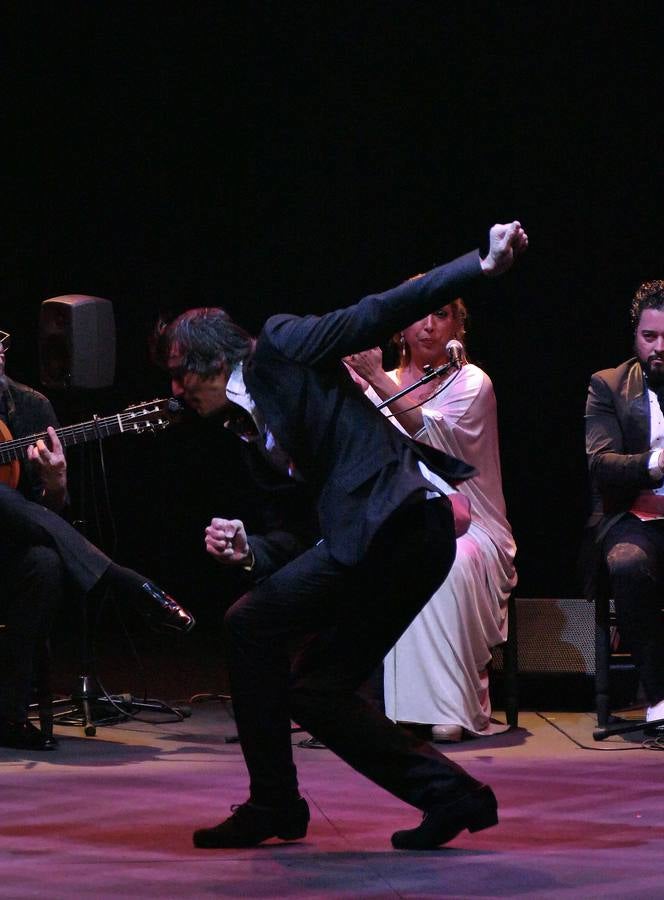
x,y
294,156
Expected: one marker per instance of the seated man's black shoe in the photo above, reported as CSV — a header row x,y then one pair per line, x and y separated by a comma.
x,y
163,612
312,743
250,825
23,736
51,742
444,821
653,731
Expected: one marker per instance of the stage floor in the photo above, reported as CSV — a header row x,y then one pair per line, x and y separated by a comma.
x,y
112,816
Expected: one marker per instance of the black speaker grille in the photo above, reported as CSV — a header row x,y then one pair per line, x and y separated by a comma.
x,y
554,636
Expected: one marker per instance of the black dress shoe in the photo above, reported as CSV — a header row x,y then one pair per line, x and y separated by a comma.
x,y
444,821
250,825
163,612
24,736
312,743
653,731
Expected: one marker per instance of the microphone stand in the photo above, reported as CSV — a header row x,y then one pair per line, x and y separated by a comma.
x,y
429,374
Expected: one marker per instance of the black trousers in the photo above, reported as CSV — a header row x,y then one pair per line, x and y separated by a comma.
x,y
634,552
27,524
38,550
31,589
343,620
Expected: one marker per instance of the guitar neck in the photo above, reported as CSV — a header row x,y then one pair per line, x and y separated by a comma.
x,y
93,430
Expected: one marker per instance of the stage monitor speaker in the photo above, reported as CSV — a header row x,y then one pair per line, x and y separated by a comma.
x,y
556,655
76,342
555,636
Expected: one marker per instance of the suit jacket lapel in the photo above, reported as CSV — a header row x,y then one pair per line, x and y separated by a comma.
x,y
257,380
637,426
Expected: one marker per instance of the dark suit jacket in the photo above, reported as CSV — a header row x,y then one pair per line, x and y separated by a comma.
x,y
27,412
359,465
617,449
617,441
23,521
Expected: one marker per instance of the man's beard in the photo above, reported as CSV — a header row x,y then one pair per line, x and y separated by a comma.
x,y
655,377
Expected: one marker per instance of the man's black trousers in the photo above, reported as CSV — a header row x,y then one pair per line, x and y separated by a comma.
x,y
342,620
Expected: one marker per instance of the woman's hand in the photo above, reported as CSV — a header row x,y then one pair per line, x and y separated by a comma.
x,y
368,364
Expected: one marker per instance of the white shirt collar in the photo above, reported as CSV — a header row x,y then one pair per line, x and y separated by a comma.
x,y
236,391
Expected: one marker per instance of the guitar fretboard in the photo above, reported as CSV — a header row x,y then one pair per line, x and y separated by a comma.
x,y
71,434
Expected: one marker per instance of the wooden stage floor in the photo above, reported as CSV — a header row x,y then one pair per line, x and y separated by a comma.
x,y
112,816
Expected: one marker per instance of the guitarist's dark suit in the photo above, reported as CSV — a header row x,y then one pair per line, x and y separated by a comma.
x,y
37,548
22,518
384,550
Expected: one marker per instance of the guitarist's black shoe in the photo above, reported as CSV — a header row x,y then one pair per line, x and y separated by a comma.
x,y
164,613
161,611
24,736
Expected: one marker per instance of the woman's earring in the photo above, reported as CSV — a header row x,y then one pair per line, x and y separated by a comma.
x,y
402,346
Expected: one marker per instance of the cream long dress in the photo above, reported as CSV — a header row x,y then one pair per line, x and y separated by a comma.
x,y
437,672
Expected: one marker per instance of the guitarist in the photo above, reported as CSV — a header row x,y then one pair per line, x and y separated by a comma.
x,y
39,550
24,411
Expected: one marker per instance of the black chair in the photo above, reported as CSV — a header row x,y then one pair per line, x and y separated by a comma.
x,y
611,660
43,692
511,665
506,661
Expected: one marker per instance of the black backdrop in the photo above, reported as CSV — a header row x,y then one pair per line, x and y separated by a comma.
x,y
294,156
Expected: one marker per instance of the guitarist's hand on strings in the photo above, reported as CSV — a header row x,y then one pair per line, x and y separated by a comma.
x,y
51,466
226,541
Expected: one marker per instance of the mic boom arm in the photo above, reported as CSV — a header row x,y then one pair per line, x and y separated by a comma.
x,y
429,374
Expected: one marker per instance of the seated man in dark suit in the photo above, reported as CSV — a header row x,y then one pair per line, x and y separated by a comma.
x,y
625,449
39,550
387,541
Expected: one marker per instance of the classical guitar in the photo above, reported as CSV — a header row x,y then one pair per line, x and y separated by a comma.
x,y
134,419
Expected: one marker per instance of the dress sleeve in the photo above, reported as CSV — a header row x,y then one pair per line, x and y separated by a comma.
x,y
452,406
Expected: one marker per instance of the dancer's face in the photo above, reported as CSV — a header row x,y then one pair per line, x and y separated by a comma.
x,y
206,396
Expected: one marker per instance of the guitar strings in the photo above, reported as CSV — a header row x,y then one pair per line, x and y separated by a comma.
x,y
17,448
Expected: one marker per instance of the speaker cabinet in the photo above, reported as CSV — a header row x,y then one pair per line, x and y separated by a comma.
x,y
554,636
76,342
556,655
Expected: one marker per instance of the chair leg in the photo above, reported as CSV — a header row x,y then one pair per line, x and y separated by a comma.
x,y
511,666
602,661
44,690
607,725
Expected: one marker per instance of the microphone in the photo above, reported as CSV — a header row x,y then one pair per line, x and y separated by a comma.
x,y
455,352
